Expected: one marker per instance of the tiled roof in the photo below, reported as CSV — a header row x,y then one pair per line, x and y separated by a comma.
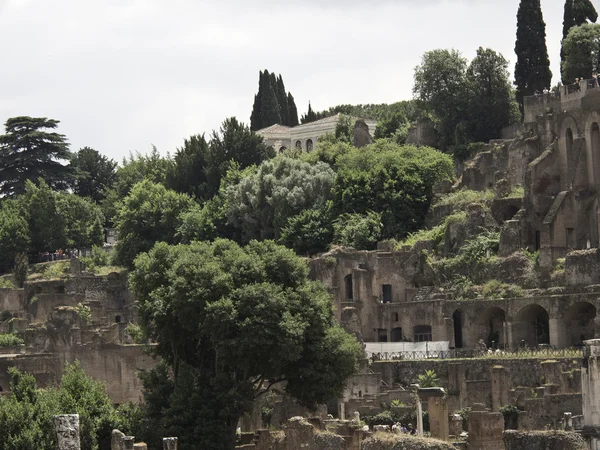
x,y
275,129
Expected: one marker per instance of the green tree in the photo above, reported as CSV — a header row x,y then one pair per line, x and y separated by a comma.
x,y
492,104
231,322
14,234
29,153
309,232
395,181
46,224
265,111
234,142
388,126
149,214
532,70
359,231
577,12
261,204
83,221
282,100
94,174
293,110
441,88
310,115
581,52
189,172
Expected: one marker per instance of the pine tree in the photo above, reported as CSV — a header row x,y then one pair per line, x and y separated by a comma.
x,y
293,111
283,104
27,152
310,115
577,12
532,71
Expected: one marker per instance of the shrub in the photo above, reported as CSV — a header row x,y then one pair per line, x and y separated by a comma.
x,y
464,197
428,379
10,340
20,269
84,312
137,334
497,289
361,232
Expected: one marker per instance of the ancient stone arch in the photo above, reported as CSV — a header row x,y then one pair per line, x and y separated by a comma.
x,y
492,322
531,326
569,131
579,323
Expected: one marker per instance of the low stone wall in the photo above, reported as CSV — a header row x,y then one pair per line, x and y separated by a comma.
x,y
388,441
543,440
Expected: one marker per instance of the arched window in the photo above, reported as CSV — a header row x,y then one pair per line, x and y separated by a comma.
x,y
282,149
298,145
309,145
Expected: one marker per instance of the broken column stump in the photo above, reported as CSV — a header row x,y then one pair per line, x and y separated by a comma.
x,y
170,443
67,431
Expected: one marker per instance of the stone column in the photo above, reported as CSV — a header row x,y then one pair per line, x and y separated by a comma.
x,y
499,388
457,383
170,443
508,336
128,442
116,440
590,390
67,431
485,429
438,411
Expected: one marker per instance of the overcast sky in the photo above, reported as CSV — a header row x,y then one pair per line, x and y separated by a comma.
x,y
121,75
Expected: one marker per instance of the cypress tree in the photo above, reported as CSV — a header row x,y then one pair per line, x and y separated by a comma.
x,y
532,71
255,116
310,115
283,104
265,111
577,12
293,111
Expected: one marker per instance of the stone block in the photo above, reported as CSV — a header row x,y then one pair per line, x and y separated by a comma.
x,y
67,431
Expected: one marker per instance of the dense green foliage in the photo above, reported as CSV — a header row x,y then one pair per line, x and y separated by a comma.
x,y
310,115
581,52
359,231
470,103
271,104
26,415
191,171
94,174
263,201
227,319
310,231
395,181
380,112
149,214
532,70
576,13
28,153
14,234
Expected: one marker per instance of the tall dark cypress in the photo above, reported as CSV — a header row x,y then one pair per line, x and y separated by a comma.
x,y
255,116
532,71
577,12
293,111
310,115
282,100
269,108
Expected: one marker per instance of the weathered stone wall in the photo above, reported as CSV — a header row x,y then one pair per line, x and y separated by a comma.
x,y
543,440
384,441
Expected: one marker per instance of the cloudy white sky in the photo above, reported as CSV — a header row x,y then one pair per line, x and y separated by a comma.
x,y
121,75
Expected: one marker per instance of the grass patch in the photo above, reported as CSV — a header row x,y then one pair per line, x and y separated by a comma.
x,y
495,289
464,197
50,270
517,192
7,282
105,270
435,234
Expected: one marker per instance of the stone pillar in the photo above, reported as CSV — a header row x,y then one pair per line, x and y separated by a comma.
x,y
116,440
419,417
499,388
438,411
551,371
590,391
457,383
170,443
456,425
558,333
67,431
508,336
342,411
568,421
128,442
485,429
140,446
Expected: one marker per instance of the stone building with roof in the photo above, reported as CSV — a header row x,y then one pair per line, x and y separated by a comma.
x,y
303,137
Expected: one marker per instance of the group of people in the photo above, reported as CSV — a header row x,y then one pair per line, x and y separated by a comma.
x,y
58,255
399,428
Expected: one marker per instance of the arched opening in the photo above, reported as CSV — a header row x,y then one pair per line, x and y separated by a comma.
x,y
532,326
492,320
579,323
458,336
309,145
569,141
397,334
298,145
423,333
595,141
509,212
349,289
282,149
394,317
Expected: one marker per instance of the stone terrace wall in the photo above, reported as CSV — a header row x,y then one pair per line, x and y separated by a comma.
x,y
543,440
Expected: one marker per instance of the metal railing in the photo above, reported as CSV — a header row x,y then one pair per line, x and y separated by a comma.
x,y
490,354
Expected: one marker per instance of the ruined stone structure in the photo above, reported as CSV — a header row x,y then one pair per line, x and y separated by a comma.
x,y
48,314
304,137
